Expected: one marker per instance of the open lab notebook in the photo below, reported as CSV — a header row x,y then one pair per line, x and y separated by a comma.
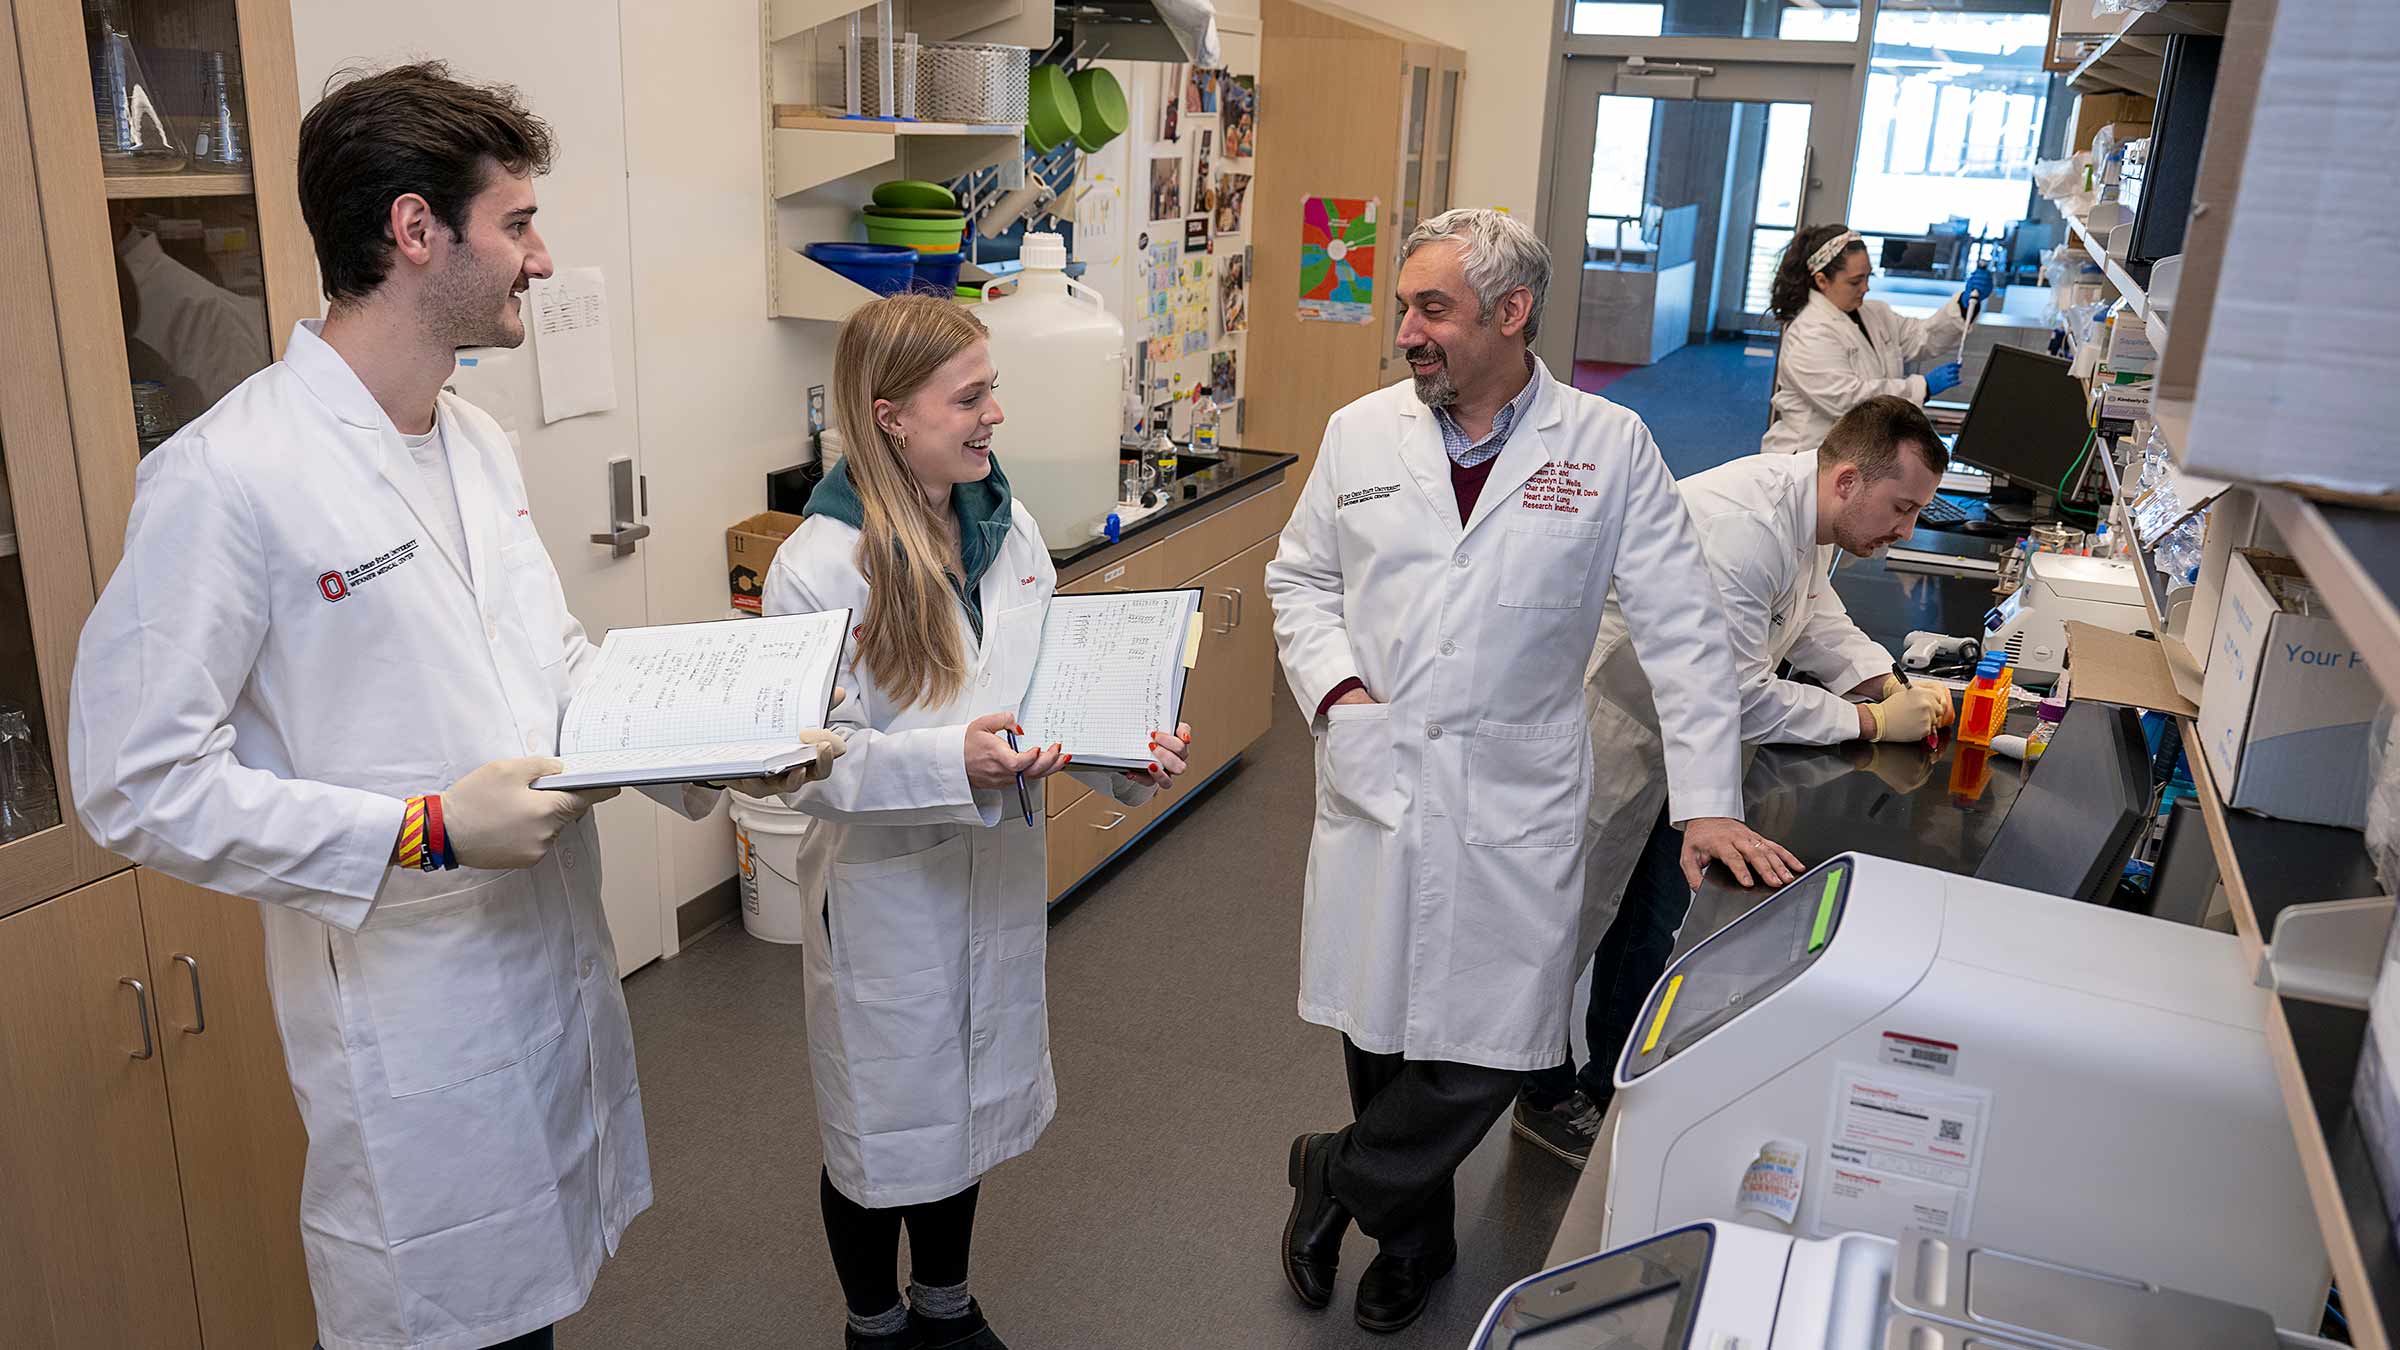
x,y
1111,672
702,702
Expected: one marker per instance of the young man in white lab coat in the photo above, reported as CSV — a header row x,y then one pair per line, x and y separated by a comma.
x,y
332,662
1771,526
1436,594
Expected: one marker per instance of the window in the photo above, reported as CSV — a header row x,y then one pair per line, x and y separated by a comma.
x,y
1620,178
1951,120
1797,20
1781,170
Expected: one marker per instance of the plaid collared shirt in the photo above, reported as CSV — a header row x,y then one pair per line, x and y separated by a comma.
x,y
1467,454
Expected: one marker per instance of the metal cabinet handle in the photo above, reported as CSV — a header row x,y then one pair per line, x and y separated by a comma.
x,y
141,1003
1116,818
1236,593
1227,625
191,966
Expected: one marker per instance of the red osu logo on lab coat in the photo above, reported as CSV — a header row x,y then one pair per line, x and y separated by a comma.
x,y
332,587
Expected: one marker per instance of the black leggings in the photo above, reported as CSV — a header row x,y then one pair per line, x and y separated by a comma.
x,y
866,1244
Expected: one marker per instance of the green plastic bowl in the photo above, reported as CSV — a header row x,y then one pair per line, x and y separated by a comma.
x,y
915,193
925,236
1102,101
912,212
1052,116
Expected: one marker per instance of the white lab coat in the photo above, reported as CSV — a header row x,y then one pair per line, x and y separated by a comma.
x,y
1826,366
928,1022
1443,916
1757,521
288,650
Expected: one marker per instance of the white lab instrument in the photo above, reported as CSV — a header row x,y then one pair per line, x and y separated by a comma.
x,y
1990,1064
1060,355
1921,650
2031,624
1720,1286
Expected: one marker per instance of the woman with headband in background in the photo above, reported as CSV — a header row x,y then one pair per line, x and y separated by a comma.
x,y
1841,349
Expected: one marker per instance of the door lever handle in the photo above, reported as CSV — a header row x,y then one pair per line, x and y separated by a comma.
x,y
624,531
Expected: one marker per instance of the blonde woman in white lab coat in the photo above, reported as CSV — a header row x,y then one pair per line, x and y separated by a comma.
x,y
1841,349
928,1025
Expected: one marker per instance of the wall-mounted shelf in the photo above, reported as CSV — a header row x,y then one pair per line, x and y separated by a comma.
x,y
140,187
815,148
2129,58
2154,325
807,159
807,289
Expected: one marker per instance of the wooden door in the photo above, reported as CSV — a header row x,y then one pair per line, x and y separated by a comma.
x,y
92,1250
237,1133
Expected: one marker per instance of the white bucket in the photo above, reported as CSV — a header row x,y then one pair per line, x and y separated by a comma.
x,y
766,842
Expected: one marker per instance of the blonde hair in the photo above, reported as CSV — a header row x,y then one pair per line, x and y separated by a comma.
x,y
889,349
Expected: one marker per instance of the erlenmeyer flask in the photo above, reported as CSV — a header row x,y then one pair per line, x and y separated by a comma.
x,y
222,142
28,795
133,130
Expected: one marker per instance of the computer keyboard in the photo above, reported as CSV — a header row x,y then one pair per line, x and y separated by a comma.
x,y
1943,511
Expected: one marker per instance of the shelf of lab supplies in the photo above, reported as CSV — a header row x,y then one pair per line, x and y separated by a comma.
x,y
189,183
2352,557
2129,58
2154,326
2185,669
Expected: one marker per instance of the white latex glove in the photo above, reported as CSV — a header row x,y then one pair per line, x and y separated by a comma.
x,y
829,748
1913,714
495,818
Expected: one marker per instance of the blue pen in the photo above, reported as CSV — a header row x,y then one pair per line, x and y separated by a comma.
x,y
1022,800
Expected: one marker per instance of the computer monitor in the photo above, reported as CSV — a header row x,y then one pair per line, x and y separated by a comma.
x,y
1907,255
2082,809
2028,421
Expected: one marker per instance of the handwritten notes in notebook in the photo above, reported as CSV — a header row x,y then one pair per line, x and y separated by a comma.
x,y
1111,672
680,702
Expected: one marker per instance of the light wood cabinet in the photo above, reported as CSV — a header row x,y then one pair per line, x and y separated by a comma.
x,y
238,1135
150,1201
1235,703
93,1247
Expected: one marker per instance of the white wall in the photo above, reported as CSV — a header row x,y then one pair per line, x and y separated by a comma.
x,y
1511,58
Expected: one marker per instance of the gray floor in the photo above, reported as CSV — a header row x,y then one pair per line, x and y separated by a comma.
x,y
1149,1214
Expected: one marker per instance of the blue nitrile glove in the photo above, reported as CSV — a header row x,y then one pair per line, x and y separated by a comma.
x,y
1940,378
1979,283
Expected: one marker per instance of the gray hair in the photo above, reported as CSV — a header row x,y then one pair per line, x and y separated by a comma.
x,y
1499,254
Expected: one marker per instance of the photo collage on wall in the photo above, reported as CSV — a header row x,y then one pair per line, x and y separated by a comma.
x,y
1199,293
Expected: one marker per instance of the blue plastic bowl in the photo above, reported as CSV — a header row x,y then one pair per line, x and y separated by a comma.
x,y
937,273
885,269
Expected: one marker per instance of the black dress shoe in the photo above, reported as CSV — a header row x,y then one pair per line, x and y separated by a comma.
x,y
967,1331
1393,1291
906,1338
1312,1236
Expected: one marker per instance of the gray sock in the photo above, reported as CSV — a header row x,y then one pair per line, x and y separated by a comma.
x,y
949,1300
888,1323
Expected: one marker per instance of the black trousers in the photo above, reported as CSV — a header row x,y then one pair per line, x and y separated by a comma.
x,y
1395,1167
1633,954
866,1244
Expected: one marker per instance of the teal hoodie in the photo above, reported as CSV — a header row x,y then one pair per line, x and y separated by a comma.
x,y
985,517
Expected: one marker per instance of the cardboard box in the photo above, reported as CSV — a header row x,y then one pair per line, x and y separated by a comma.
x,y
2295,382
749,550
2286,703
2094,111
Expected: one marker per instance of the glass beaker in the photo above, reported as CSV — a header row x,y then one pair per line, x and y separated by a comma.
x,y
28,794
134,137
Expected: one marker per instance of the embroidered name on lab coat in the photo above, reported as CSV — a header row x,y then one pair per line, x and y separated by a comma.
x,y
337,585
1373,494
1556,487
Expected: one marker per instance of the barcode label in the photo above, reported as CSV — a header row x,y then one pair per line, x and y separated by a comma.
x,y
1922,1053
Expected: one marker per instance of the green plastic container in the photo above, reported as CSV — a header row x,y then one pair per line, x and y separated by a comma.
x,y
1101,100
1052,116
915,193
925,236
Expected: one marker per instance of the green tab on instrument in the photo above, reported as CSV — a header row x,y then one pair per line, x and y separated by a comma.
x,y
1833,887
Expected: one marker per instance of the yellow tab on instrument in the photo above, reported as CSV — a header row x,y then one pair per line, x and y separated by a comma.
x,y
1659,1023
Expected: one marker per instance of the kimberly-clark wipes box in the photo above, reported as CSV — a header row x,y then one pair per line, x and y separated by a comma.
x,y
2287,699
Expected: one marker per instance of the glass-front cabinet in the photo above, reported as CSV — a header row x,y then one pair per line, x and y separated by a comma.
x,y
148,151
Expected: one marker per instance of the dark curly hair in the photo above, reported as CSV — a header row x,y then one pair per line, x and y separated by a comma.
x,y
1793,282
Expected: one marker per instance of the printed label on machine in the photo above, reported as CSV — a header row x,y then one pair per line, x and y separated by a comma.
x,y
1771,1185
1916,1052
1900,1153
